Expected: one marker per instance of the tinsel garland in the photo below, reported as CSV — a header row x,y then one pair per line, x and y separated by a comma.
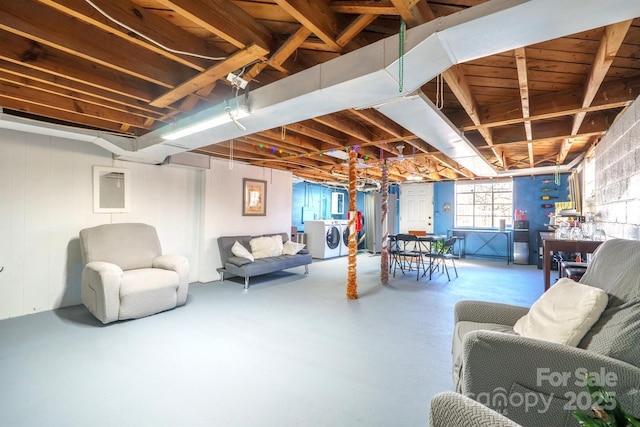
x,y
352,286
384,244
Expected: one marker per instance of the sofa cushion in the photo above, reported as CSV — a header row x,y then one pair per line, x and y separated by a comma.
x,y
127,245
266,246
240,251
564,313
291,248
147,291
239,261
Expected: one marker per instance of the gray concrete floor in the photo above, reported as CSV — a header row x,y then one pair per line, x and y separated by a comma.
x,y
290,351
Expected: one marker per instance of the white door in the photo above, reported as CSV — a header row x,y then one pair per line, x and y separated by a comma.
x,y
416,207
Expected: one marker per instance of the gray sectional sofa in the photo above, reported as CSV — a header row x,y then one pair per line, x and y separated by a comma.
x,y
243,267
496,366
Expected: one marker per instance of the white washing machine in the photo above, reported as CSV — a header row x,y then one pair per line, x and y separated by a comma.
x,y
344,236
323,238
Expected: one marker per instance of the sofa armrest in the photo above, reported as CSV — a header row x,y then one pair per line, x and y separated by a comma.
x,y
100,290
488,312
495,363
180,265
450,409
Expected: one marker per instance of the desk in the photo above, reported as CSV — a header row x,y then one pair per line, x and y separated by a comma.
x,y
550,245
487,235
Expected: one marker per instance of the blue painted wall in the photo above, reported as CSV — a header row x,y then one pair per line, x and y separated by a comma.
x,y
527,193
443,192
314,201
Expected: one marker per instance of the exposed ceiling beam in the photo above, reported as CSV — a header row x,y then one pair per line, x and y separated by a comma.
x,y
218,71
224,19
372,7
169,39
609,44
317,17
613,94
59,31
523,83
281,55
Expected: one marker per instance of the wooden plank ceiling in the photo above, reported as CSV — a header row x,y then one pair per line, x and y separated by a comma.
x,y
129,67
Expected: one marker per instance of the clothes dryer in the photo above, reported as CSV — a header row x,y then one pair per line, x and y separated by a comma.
x,y
344,236
323,238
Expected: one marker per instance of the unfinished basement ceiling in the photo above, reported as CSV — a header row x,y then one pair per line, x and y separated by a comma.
x,y
121,68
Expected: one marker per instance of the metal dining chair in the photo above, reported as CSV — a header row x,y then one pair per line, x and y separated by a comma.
x,y
445,253
394,254
409,253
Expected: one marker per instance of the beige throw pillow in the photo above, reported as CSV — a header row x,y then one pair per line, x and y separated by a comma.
x,y
266,246
291,248
563,314
240,251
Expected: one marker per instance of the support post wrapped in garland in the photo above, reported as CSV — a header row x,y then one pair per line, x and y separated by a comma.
x,y
384,244
352,286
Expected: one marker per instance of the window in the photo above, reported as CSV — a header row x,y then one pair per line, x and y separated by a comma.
x,y
483,203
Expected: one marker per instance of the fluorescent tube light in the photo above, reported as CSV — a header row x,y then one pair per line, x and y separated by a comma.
x,y
228,115
338,154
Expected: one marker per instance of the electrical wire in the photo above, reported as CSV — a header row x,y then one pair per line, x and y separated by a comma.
x,y
401,36
439,92
233,117
149,39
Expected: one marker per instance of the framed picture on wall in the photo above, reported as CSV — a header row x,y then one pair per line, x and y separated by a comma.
x,y
254,197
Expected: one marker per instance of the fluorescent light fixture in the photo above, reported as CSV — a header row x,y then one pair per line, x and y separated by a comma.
x,y
414,177
338,154
360,164
230,114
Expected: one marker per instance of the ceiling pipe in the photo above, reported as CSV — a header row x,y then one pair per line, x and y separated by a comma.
x,y
544,170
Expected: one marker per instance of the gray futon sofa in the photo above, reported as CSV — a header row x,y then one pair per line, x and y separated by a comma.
x,y
237,266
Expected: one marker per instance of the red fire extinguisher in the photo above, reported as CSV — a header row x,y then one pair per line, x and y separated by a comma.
x,y
358,220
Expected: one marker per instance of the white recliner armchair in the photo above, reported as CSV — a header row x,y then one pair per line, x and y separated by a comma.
x,y
125,275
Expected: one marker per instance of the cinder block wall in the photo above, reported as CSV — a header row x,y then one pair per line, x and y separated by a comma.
x,y
617,177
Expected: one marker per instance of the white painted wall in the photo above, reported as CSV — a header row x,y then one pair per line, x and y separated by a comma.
x,y
46,198
223,205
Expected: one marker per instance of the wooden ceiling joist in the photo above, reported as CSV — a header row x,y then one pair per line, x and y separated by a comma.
x,y
218,71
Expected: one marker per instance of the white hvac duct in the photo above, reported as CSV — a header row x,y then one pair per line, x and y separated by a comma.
x,y
419,115
120,146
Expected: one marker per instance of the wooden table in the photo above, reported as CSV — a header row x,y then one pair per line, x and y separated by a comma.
x,y
550,245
